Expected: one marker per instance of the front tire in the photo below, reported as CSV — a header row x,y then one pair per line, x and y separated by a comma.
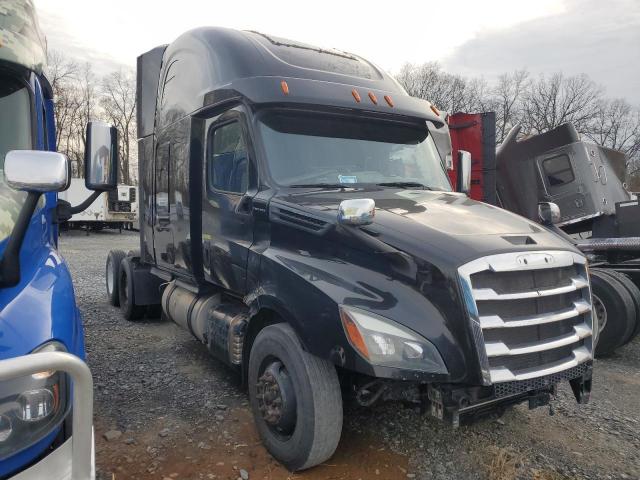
x,y
112,274
295,398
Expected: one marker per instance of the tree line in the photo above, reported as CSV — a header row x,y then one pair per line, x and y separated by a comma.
x,y
538,103
80,95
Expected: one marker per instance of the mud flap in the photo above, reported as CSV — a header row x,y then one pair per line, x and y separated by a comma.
x,y
581,387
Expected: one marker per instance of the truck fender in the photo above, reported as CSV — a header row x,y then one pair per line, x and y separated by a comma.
x,y
266,309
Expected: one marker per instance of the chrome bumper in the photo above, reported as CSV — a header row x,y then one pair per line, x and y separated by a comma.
x,y
74,460
56,466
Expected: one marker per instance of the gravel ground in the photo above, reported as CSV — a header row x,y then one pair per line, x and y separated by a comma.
x,y
164,409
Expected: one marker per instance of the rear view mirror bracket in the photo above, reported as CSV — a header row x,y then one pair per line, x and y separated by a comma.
x,y
10,261
64,211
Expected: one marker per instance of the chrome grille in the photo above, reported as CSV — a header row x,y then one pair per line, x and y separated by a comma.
x,y
530,313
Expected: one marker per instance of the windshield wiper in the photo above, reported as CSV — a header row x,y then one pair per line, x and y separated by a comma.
x,y
320,185
405,185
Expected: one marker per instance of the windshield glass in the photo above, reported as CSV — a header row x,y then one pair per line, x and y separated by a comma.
x,y
306,149
15,134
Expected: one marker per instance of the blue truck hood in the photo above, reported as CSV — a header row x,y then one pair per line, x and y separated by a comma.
x,y
40,308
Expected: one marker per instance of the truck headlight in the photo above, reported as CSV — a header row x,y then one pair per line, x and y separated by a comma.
x,y
31,407
386,343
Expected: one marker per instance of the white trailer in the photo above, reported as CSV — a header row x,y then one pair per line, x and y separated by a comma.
x,y
114,209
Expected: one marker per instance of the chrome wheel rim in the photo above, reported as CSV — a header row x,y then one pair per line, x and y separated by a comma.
x,y
601,313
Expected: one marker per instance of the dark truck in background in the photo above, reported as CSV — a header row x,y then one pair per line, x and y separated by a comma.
x,y
588,187
296,217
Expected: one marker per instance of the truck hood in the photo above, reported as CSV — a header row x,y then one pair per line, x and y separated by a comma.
x,y
40,308
404,266
436,225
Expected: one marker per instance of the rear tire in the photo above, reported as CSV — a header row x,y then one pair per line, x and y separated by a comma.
x,y
634,291
614,310
126,291
301,427
112,274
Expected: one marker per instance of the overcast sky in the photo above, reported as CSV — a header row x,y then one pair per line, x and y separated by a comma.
x,y
483,38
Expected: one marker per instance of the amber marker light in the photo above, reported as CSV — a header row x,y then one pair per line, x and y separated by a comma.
x,y
355,337
285,87
435,110
387,99
373,98
356,95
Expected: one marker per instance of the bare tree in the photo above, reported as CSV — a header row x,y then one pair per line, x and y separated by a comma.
x,y
506,100
448,92
616,125
62,74
552,101
119,104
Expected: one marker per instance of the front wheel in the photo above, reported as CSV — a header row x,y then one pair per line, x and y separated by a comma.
x,y
295,398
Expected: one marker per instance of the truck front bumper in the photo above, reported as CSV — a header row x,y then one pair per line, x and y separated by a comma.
x,y
452,402
56,465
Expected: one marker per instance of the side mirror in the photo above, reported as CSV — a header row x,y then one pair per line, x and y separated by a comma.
x,y
358,211
101,157
463,184
37,171
549,213
34,172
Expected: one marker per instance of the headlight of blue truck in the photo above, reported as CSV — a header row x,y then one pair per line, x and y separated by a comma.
x,y
31,407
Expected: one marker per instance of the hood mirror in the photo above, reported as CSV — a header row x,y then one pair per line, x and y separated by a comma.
x,y
357,211
37,171
549,213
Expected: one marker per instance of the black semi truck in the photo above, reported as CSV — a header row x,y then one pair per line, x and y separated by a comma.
x,y
296,216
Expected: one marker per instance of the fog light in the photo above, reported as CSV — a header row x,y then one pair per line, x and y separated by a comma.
x,y
34,405
5,428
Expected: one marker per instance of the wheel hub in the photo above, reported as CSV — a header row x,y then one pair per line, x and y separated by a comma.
x,y
276,398
601,313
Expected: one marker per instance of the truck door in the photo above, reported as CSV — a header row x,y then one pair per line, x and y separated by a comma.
x,y
162,229
227,221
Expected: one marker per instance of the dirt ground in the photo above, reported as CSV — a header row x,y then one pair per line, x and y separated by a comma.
x,y
164,409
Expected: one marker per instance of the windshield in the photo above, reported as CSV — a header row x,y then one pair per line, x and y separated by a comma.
x,y
313,149
15,134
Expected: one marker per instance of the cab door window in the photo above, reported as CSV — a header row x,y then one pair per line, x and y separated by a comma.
x,y
558,171
227,162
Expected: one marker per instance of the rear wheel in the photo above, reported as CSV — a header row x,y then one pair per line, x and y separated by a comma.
x,y
126,292
295,398
634,291
614,312
112,275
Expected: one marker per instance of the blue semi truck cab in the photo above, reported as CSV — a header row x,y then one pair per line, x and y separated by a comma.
x,y
41,410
